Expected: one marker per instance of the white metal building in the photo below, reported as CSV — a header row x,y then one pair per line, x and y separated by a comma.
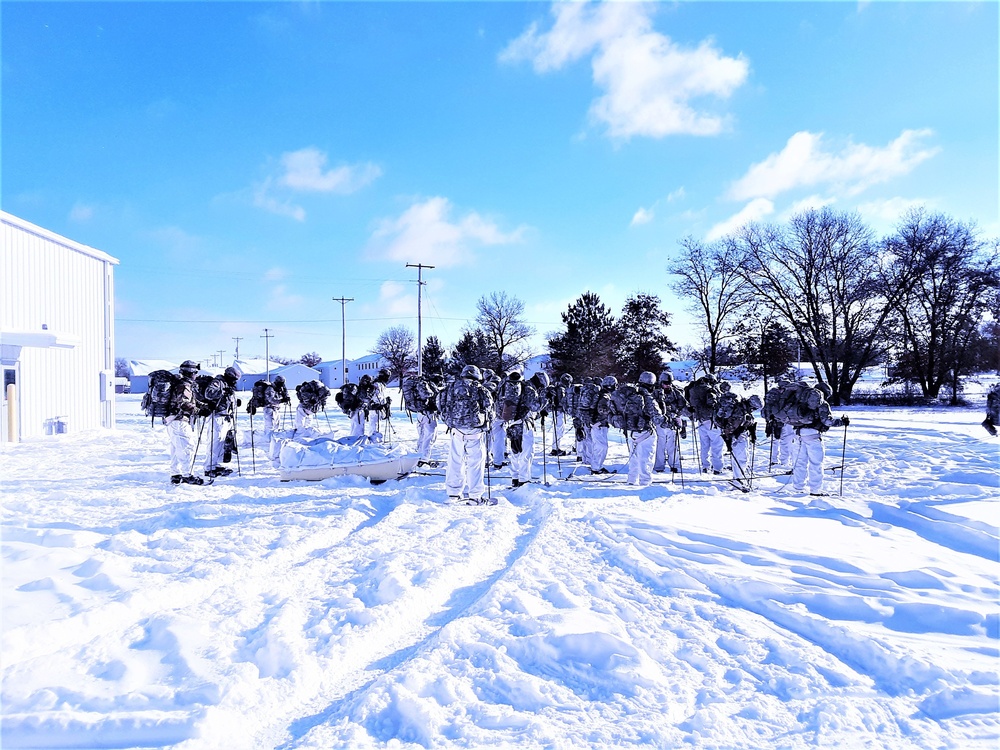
x,y
56,331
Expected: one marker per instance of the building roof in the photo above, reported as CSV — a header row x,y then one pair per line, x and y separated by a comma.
x,y
255,366
145,366
27,226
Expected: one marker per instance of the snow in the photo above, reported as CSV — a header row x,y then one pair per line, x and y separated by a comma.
x,y
256,613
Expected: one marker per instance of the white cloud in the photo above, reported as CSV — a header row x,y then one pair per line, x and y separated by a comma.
x,y
755,210
642,216
397,299
889,210
81,212
648,81
280,298
813,201
305,171
677,195
426,233
262,198
804,163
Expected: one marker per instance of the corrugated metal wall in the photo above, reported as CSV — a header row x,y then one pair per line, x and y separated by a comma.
x,y
70,289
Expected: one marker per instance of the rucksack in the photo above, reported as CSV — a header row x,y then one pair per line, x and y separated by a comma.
x,y
586,404
629,409
510,398
213,393
799,404
258,398
313,394
993,403
347,398
159,397
726,406
412,399
702,397
461,404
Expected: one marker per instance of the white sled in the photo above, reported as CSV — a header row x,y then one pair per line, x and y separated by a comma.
x,y
392,468
318,458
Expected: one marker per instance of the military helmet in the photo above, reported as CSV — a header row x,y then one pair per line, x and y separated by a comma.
x,y
826,389
384,375
666,376
472,373
647,378
231,374
189,367
566,379
609,381
365,379
542,378
279,380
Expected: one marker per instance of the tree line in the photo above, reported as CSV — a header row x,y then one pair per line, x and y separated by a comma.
x,y
822,288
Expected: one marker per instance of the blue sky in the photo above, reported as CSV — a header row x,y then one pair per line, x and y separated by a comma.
x,y
248,162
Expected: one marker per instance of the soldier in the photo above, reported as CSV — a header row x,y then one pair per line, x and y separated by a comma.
x,y
465,406
674,406
640,426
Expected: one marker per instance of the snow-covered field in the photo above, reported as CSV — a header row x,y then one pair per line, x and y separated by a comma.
x,y
259,614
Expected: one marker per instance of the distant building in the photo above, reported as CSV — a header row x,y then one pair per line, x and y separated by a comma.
x,y
252,370
139,369
684,370
354,369
57,332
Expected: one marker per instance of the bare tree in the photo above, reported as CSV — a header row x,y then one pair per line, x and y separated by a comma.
x,y
396,346
709,279
500,319
310,359
940,319
825,278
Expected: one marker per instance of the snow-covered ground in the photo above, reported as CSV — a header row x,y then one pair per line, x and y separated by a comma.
x,y
260,614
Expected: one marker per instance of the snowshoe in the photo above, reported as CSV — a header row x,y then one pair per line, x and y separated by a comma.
x,y
176,479
191,479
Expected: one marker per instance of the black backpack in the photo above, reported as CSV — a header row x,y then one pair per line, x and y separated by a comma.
x,y
258,398
158,399
347,398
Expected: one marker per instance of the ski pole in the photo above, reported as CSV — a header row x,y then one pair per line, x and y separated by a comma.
x,y
545,465
843,452
197,444
235,416
253,458
694,446
678,454
488,457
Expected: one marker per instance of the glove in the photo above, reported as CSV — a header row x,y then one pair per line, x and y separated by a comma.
x,y
753,433
845,421
768,428
388,401
544,413
387,410
684,430
239,402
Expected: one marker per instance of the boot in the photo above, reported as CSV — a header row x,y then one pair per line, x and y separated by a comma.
x,y
191,479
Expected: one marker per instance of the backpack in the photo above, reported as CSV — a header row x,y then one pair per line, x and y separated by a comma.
x,y
347,398
258,398
726,407
461,404
213,393
312,394
412,399
586,404
702,397
799,404
629,408
992,403
159,397
510,398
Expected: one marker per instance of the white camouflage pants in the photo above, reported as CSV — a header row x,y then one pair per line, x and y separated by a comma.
x,y
181,446
740,450
271,420
498,441
214,438
466,464
640,460
711,445
520,463
809,462
426,432
598,446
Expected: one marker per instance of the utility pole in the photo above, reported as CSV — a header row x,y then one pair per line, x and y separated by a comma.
x,y
237,339
267,353
221,352
420,337
343,338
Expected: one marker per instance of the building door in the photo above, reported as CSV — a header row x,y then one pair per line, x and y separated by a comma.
x,y
9,378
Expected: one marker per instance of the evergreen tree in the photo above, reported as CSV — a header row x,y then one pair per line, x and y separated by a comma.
x,y
433,356
642,337
586,347
472,349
